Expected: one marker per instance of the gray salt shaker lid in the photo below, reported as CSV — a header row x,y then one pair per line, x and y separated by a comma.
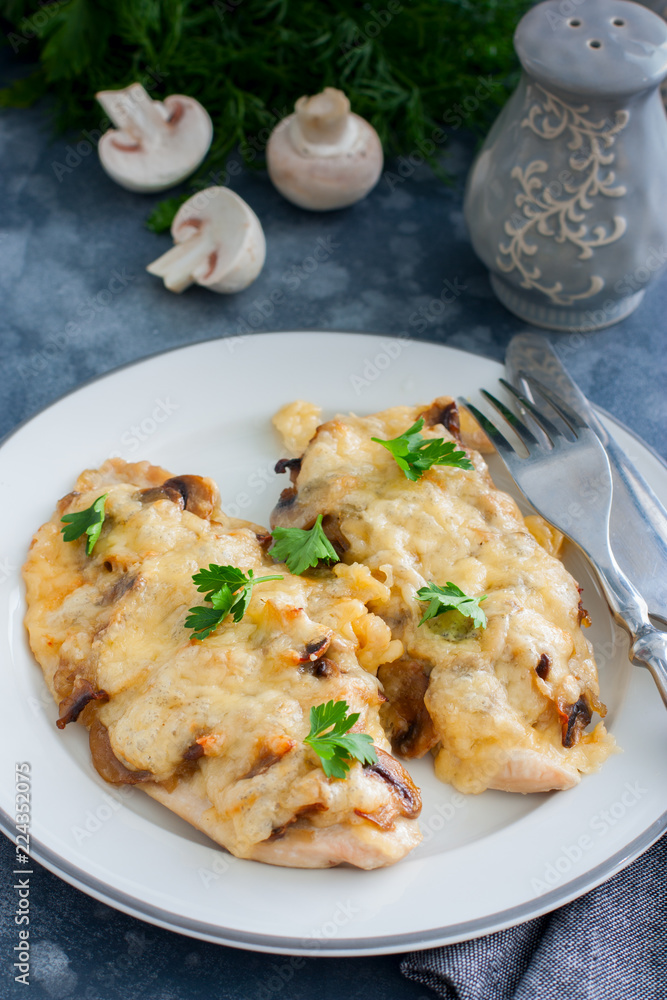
x,y
601,48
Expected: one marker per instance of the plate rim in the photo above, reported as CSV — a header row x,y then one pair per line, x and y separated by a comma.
x,y
324,947
346,947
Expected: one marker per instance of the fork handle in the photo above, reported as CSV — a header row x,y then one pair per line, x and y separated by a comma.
x,y
650,650
648,645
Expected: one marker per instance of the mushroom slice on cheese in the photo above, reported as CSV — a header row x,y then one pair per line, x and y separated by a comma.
x,y
506,706
214,729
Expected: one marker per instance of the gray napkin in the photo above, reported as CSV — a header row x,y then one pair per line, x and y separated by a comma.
x,y
610,944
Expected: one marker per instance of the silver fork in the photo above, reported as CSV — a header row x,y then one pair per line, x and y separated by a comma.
x,y
569,482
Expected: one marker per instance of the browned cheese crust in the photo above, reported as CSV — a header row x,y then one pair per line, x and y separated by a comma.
x,y
214,729
502,707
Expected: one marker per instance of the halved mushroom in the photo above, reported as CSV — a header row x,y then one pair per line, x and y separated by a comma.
x,y
324,156
155,144
219,244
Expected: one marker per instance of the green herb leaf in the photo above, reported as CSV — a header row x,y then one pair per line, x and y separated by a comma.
x,y
331,741
212,579
451,598
162,216
415,454
229,590
88,521
205,620
301,549
24,92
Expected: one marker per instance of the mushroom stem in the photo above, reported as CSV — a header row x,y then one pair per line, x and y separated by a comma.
x,y
324,117
177,266
133,111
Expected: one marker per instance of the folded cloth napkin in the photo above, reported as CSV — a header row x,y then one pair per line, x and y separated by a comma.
x,y
610,944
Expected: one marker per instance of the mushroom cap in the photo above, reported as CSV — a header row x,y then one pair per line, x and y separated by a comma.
x,y
326,175
162,157
234,233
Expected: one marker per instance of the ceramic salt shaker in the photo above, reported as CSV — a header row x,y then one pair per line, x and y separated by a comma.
x,y
566,203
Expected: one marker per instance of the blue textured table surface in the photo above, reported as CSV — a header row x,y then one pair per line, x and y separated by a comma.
x,y
77,302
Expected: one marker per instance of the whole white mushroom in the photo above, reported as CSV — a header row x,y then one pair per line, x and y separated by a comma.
x,y
219,244
324,156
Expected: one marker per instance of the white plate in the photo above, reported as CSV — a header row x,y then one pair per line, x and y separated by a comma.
x,y
486,862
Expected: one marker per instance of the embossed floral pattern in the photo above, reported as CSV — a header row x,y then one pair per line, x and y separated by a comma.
x,y
559,211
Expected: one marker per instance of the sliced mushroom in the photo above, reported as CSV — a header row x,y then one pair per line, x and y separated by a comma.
x,y
197,494
323,156
107,764
293,464
200,494
405,799
322,667
444,411
219,244
155,144
574,719
70,708
405,715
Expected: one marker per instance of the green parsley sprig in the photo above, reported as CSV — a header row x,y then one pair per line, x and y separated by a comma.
x,y
451,598
415,454
229,591
88,521
333,744
301,548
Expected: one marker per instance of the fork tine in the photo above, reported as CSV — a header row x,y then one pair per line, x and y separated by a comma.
x,y
543,422
518,426
501,444
563,409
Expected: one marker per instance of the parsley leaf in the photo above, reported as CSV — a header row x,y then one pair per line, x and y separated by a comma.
x,y
336,748
300,548
451,598
212,579
229,591
205,620
162,216
415,454
89,521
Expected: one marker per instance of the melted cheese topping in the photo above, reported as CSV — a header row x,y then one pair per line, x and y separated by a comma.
x,y
242,696
498,722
